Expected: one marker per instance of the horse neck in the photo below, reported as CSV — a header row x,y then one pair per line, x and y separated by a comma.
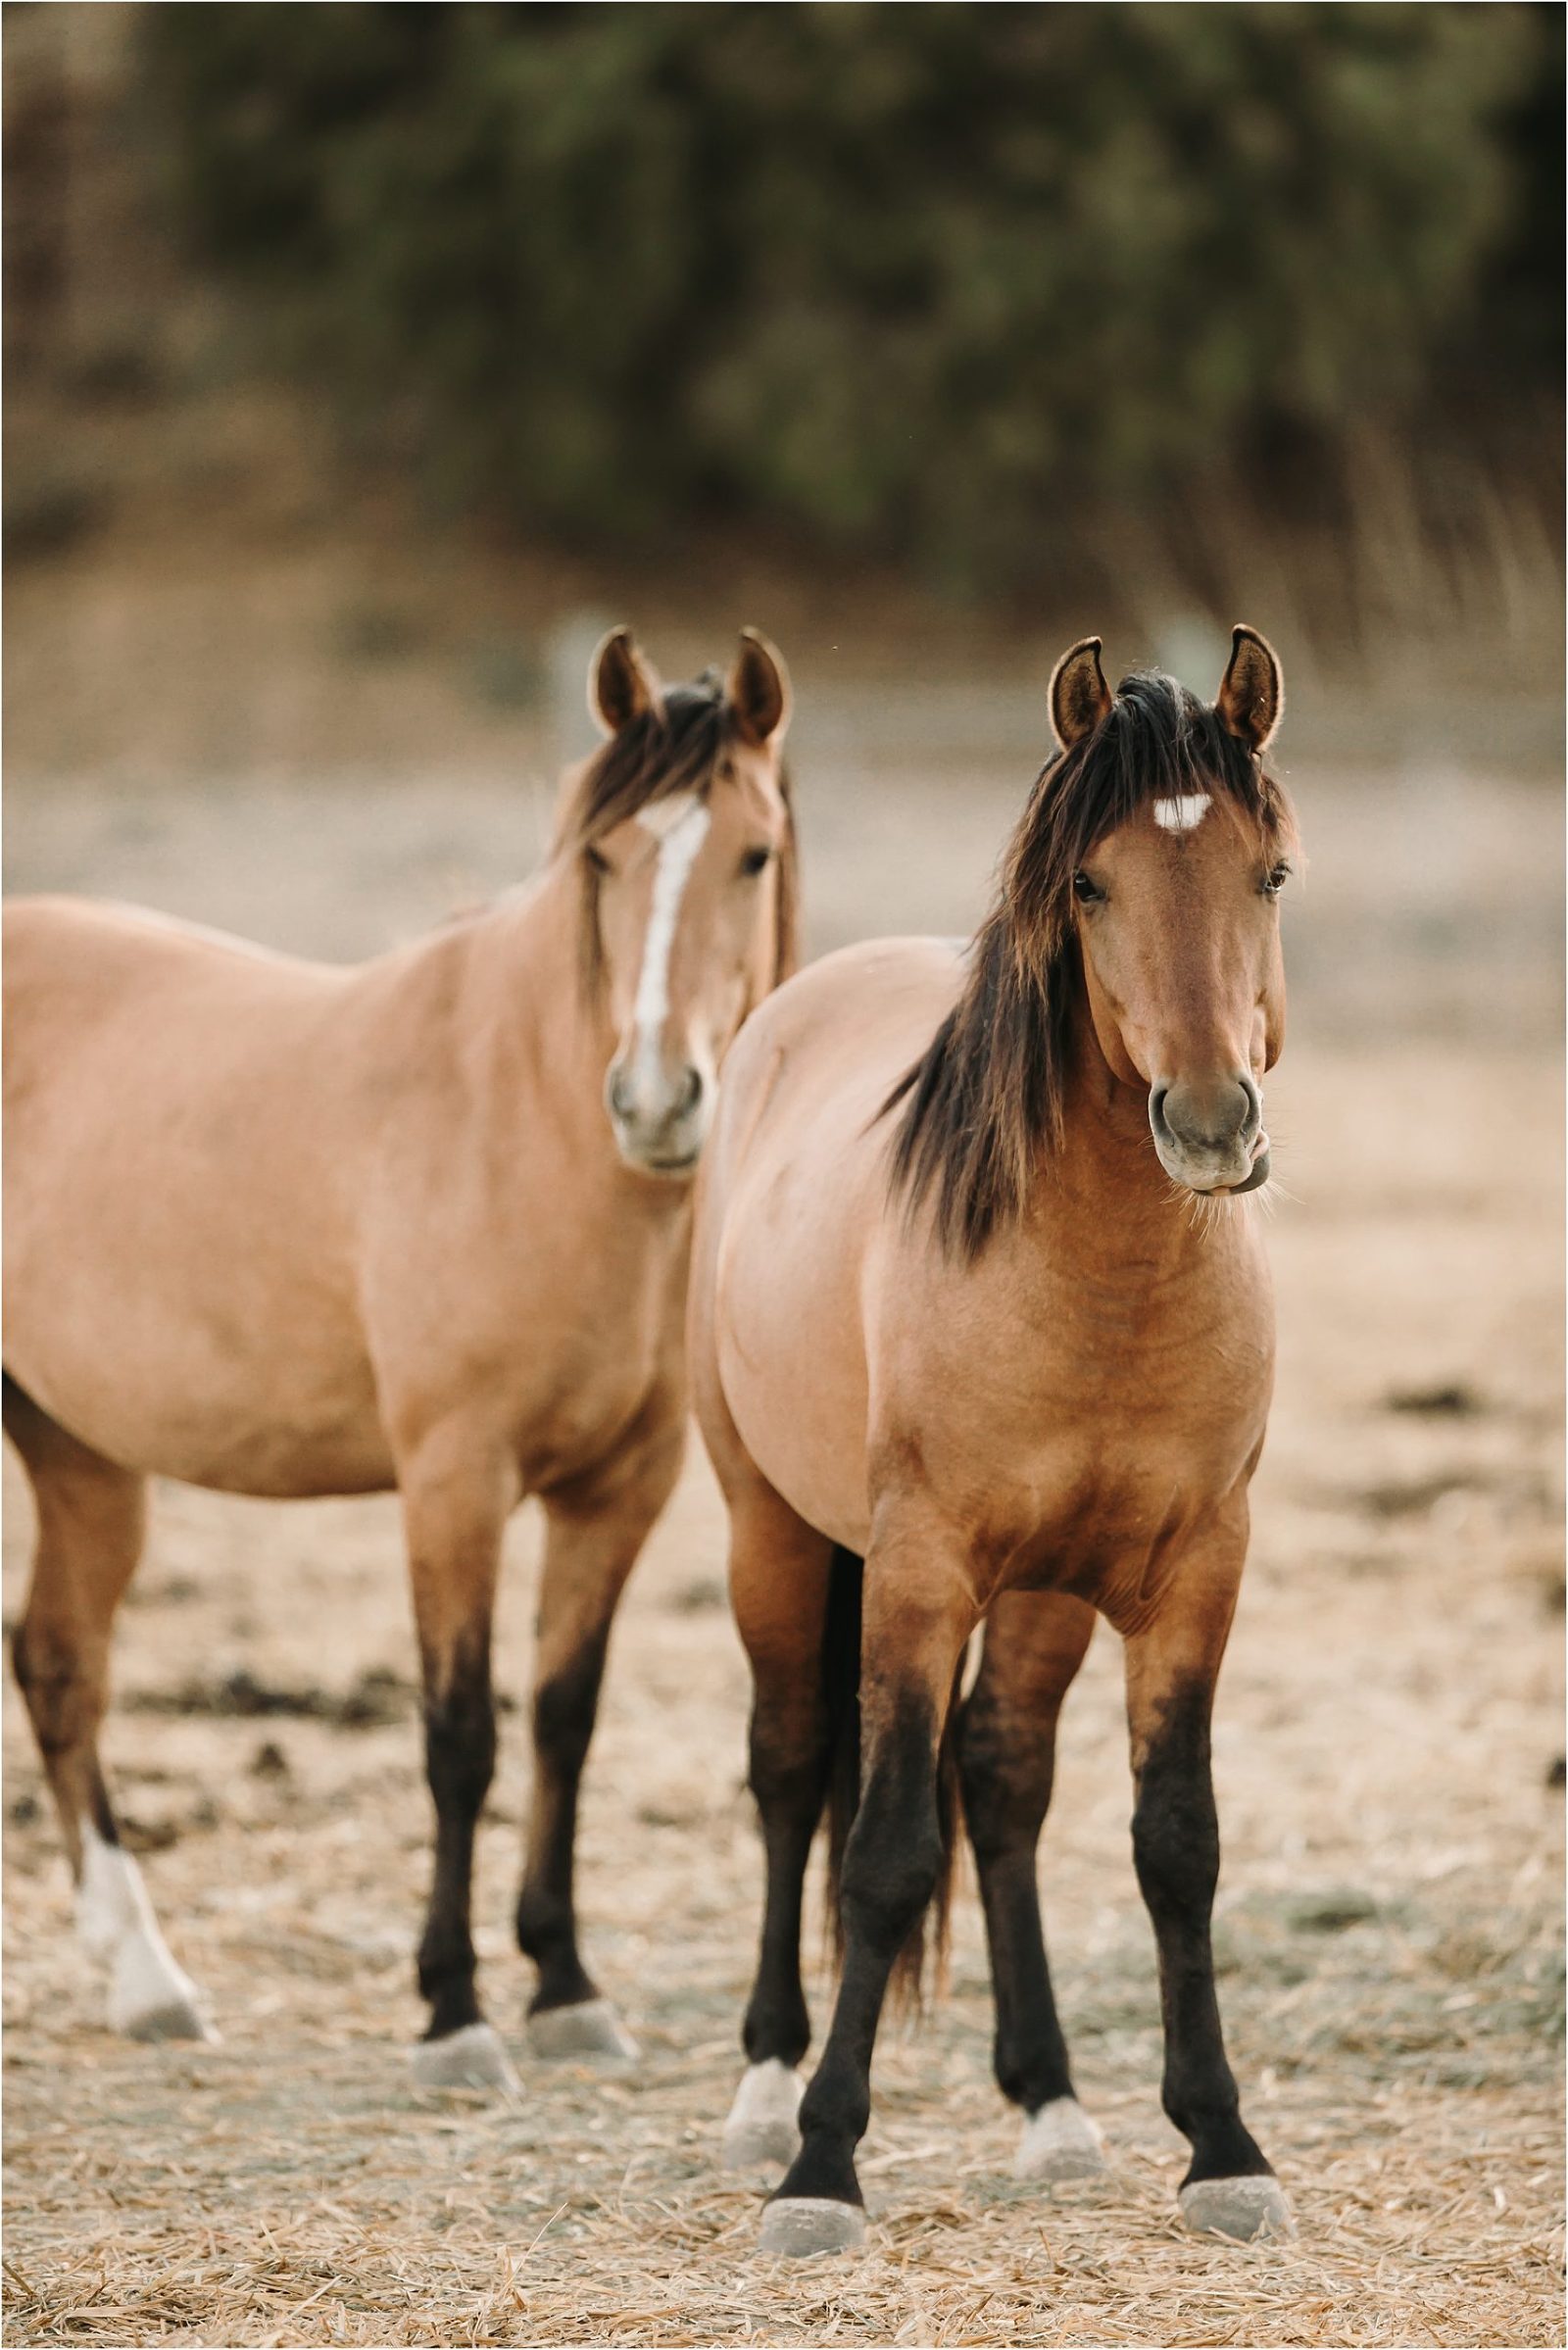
x,y
547,1043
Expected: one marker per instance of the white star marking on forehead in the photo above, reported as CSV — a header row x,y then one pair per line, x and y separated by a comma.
x,y
1184,814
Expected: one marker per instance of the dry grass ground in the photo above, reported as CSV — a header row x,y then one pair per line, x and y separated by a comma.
x,y
1391,1906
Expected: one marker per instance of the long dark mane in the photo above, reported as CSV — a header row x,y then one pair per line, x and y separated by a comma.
x,y
680,745
983,1105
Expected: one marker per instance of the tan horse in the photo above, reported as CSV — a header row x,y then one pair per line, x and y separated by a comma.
x,y
957,1314
281,1229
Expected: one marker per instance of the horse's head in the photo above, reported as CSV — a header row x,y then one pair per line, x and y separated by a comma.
x,y
1176,902
686,844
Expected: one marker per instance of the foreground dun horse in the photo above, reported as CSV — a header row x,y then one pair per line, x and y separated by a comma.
x,y
281,1229
968,1307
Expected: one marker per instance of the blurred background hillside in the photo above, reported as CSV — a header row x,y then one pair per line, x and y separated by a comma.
x,y
363,361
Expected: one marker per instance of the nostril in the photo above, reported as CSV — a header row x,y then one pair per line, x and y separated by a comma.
x,y
691,1091
1157,1108
621,1093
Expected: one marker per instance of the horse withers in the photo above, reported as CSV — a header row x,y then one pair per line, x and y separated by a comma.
x,y
281,1229
982,1335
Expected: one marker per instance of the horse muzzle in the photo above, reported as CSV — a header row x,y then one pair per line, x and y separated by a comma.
x,y
1209,1135
659,1117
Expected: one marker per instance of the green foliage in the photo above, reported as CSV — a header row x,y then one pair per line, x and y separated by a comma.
x,y
911,278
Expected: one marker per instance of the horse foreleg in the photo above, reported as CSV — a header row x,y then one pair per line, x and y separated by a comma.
x,y
1172,1666
92,1522
456,1495
596,1528
918,1613
1034,1645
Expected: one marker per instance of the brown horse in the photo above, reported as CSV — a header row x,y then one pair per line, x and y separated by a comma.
x,y
281,1229
956,1315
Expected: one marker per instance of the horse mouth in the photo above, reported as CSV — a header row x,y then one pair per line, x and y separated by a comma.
x,y
1255,1181
670,1164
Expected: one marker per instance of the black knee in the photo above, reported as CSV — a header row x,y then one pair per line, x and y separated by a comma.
x,y
460,1741
788,1779
564,1707
55,1690
1004,1774
1176,1841
894,1856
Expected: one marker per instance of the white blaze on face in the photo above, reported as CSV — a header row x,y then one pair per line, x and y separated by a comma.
x,y
1184,814
680,826
115,1919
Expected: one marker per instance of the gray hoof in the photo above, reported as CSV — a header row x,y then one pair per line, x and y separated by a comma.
x,y
174,2020
1243,2207
796,2226
590,2029
763,2126
470,2059
1058,2144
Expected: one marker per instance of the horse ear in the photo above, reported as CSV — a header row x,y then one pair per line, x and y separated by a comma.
x,y
1251,691
758,689
1079,694
621,684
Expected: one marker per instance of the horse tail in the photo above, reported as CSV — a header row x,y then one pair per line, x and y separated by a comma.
x,y
841,1689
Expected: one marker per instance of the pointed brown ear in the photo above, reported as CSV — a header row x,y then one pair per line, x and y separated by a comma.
x,y
758,689
1252,693
621,684
1079,694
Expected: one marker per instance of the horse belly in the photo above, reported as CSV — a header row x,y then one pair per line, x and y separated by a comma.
x,y
177,1292
176,1385
792,1358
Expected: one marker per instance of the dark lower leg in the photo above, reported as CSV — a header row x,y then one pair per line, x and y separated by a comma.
x,y
1007,1775
565,1703
789,1777
1176,1848
459,1740
891,1866
1034,1645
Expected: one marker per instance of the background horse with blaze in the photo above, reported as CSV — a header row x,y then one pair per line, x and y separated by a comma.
x,y
281,1229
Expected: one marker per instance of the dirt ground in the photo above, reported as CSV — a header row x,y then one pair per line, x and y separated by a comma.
x,y
1387,1749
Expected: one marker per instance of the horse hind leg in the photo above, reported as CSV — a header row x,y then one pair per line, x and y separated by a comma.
x,y
797,1605
92,1522
1034,1645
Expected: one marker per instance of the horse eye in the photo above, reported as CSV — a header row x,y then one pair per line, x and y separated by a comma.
x,y
1275,881
595,862
1084,889
753,861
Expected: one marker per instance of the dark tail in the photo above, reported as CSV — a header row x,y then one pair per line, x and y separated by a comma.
x,y
841,1685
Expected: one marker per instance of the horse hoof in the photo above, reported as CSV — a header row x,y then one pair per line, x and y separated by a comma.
x,y
472,2058
796,2226
591,2027
1242,2208
151,1997
763,2126
1058,2144
172,2020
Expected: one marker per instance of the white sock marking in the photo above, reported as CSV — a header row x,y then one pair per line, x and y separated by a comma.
x,y
1184,814
117,1926
680,826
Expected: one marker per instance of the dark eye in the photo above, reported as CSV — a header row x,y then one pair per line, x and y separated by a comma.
x,y
595,862
755,860
1085,891
1274,881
